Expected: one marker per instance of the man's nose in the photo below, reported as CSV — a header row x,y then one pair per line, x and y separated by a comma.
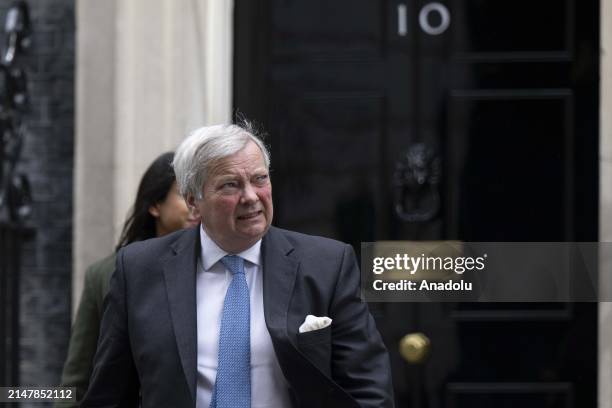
x,y
248,194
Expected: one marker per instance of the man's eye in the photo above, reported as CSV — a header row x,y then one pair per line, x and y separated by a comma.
x,y
229,184
262,178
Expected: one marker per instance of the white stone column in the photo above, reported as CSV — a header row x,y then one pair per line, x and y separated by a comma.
x,y
94,163
148,72
173,74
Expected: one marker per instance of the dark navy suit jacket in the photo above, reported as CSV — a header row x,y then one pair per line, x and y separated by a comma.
x,y
148,338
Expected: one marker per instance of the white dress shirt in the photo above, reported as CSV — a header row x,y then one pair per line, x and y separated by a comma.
x,y
268,385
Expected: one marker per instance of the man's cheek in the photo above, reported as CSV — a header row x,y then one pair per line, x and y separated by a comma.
x,y
267,195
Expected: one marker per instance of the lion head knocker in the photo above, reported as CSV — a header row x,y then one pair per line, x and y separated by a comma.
x,y
416,179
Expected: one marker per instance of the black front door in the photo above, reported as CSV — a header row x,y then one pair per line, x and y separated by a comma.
x,y
467,119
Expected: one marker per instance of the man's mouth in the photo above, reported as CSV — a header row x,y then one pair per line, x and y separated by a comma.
x,y
250,215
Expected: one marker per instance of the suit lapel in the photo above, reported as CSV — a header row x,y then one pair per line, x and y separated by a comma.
x,y
279,272
280,268
180,277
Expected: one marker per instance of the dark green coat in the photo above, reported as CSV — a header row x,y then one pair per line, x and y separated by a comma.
x,y
86,328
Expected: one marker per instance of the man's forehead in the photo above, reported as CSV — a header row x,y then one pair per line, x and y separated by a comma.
x,y
236,164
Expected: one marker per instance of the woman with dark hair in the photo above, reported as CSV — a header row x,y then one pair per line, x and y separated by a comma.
x,y
158,209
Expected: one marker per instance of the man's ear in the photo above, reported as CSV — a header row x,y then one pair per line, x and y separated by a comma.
x,y
191,204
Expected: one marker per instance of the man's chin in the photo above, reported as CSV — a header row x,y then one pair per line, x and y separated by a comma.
x,y
255,232
253,235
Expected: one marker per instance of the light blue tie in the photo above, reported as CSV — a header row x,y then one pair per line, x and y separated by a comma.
x,y
233,383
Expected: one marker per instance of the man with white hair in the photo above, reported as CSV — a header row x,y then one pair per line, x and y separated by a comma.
x,y
236,313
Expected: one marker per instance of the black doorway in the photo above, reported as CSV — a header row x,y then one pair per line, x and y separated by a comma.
x,y
493,107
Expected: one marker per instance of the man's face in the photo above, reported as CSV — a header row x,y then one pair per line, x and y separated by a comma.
x,y
236,205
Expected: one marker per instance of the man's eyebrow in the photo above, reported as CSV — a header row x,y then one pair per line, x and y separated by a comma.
x,y
223,177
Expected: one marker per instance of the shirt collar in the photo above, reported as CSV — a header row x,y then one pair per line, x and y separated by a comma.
x,y
211,253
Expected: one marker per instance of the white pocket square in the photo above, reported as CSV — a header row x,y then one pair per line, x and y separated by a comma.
x,y
314,323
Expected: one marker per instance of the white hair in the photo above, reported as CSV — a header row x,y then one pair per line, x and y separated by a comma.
x,y
203,147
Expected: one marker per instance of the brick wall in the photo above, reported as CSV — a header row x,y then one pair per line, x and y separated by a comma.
x,y
47,159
